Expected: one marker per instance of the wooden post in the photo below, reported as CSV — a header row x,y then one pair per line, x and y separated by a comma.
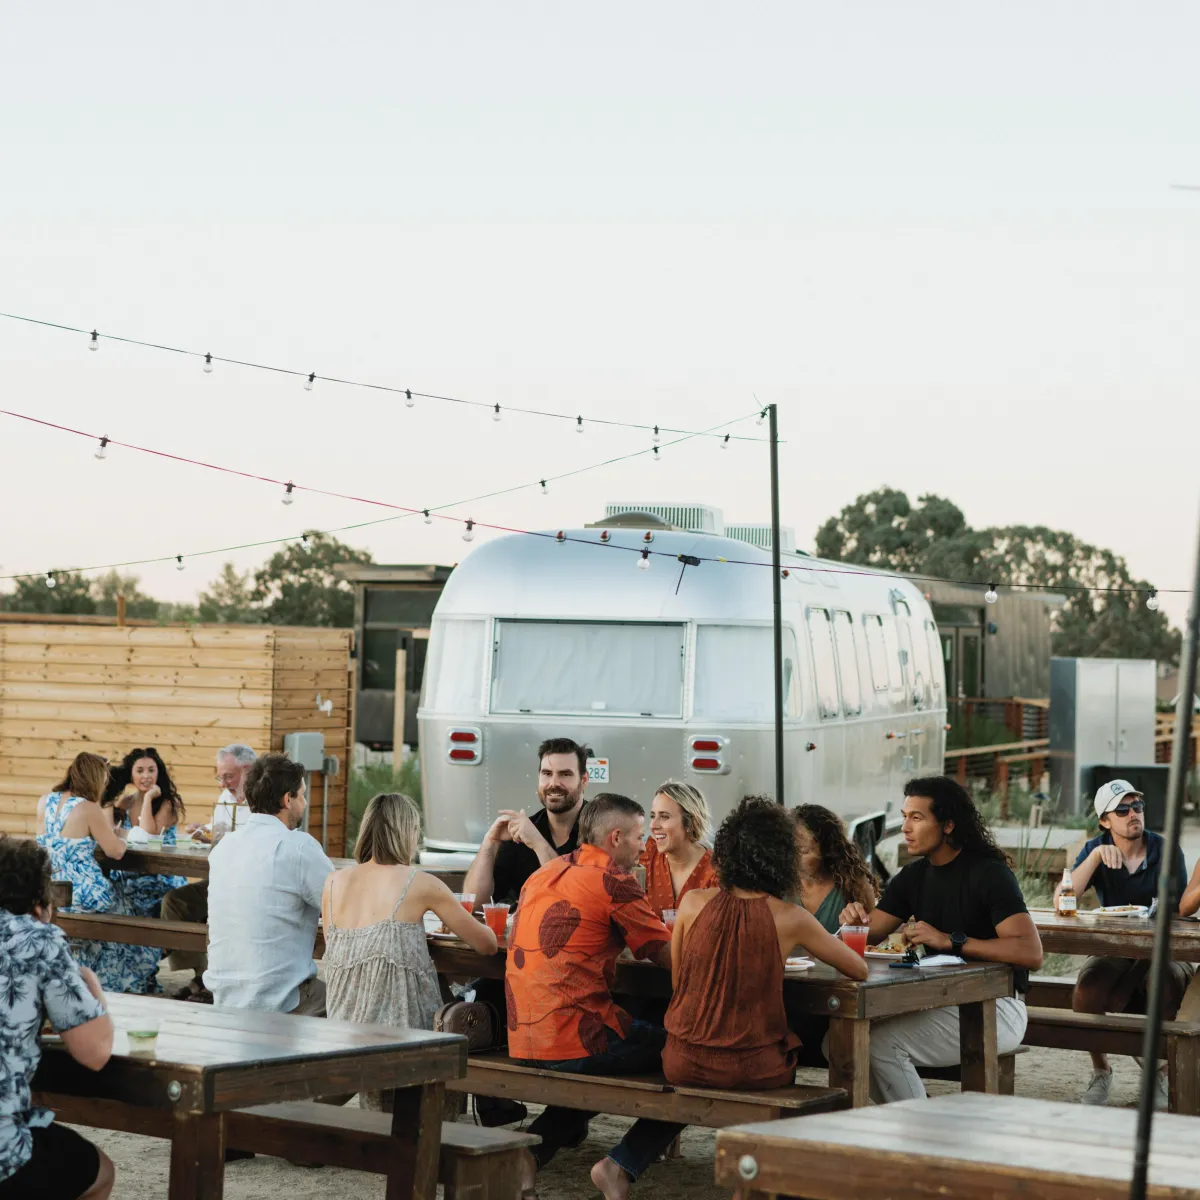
x,y
398,715
121,611
1001,771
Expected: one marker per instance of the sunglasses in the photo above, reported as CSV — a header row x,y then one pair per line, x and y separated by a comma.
x,y
1123,810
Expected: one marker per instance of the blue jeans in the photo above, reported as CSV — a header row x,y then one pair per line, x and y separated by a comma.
x,y
564,1128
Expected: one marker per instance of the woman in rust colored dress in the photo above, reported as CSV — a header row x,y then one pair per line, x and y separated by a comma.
x,y
726,1025
675,857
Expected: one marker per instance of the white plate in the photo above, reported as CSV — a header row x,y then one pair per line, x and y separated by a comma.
x,y
886,955
798,964
1138,910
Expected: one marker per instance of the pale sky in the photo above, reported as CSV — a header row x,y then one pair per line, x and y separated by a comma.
x,y
941,237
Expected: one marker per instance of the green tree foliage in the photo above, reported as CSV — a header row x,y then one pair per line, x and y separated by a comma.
x,y
297,586
72,593
229,599
106,588
932,537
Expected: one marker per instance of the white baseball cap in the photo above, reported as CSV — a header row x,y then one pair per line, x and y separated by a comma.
x,y
1109,795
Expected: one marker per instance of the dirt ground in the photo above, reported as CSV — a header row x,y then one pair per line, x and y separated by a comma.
x,y
142,1162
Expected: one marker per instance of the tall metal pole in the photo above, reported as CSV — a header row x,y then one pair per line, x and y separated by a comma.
x,y
1176,786
777,600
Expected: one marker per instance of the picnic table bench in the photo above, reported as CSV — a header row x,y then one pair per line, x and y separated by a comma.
x,y
959,1147
211,1061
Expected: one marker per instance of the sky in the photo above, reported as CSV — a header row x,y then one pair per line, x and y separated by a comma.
x,y
942,238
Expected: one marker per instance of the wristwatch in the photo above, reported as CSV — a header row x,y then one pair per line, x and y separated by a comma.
x,y
957,942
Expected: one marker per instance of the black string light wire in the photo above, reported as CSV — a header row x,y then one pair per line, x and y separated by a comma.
x,y
410,395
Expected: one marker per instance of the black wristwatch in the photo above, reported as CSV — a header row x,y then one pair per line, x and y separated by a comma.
x,y
957,942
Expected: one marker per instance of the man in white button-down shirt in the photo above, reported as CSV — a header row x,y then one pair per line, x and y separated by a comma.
x,y
264,899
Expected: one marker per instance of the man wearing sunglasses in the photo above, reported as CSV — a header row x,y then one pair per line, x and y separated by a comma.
x,y
1122,864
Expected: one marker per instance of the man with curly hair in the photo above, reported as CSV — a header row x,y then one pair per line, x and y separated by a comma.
x,y
576,914
959,897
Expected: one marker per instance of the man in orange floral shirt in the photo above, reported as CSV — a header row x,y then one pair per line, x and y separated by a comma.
x,y
575,917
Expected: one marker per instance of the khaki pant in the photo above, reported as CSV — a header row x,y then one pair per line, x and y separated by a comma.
x,y
187,903
312,999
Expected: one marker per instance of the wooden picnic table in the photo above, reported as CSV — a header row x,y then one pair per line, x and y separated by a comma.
x,y
821,991
1125,937
958,1147
210,1060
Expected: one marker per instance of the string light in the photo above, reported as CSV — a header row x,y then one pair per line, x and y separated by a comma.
x,y
643,563
991,595
287,492
545,489
657,456
102,450
655,438
725,442
578,424
94,344
308,383
179,562
428,518
50,580
469,532
762,416
408,400
496,413
1152,601
208,364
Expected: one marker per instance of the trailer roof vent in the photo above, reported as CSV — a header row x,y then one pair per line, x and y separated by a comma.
x,y
760,536
695,518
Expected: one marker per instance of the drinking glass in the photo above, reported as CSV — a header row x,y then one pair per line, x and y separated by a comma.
x,y
855,936
496,916
467,900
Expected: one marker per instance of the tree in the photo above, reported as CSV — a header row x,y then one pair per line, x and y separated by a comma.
x,y
229,599
106,588
297,585
883,529
71,594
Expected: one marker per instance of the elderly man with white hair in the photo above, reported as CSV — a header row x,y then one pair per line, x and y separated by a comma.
x,y
190,902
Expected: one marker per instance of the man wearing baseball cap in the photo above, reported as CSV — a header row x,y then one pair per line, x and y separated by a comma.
x,y
1123,865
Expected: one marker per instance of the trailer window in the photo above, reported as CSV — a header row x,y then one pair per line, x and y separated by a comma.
x,y
735,673
937,672
877,652
453,680
588,668
824,664
897,658
847,660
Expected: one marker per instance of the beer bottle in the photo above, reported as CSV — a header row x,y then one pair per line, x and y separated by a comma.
x,y
1066,896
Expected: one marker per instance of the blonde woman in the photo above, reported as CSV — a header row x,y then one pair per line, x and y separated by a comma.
x,y
675,857
377,965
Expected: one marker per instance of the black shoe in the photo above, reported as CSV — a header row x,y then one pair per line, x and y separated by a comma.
x,y
235,1155
495,1110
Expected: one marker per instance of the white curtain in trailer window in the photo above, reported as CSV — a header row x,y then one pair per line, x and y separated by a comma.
x,y
594,668
453,680
735,673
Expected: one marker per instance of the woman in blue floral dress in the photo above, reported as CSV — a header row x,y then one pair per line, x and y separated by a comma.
x,y
72,822
144,797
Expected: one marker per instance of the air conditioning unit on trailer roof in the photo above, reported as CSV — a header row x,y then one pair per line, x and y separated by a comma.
x,y
695,518
760,535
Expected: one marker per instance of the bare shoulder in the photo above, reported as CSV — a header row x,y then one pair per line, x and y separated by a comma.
x,y
696,899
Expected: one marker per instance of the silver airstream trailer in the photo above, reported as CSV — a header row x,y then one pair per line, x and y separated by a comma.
x,y
667,672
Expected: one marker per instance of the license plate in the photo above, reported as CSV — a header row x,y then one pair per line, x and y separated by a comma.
x,y
597,769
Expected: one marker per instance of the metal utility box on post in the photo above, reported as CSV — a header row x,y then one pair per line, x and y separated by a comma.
x,y
1101,715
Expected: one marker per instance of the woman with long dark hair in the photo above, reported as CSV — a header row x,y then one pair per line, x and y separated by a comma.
x,y
831,868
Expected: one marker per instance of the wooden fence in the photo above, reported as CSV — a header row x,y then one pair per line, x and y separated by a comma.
x,y
186,690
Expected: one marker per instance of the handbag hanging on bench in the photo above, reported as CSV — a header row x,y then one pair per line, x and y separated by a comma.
x,y
473,1019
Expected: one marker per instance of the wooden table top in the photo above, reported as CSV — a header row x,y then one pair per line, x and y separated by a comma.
x,y
1126,937
210,1059
959,1147
819,991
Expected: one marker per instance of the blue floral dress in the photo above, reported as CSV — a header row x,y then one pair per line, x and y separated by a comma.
x,y
145,892
120,968
39,981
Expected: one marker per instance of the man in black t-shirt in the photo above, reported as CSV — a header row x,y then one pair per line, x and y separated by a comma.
x,y
961,898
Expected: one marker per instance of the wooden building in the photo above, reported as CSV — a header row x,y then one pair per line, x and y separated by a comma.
x,y
186,690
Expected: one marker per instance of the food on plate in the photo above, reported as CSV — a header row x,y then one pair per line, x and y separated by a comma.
x,y
894,943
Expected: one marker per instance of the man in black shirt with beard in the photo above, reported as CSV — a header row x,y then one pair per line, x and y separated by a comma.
x,y
517,845
959,897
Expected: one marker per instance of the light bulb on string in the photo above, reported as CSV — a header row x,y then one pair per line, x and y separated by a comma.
x,y
408,400
308,383
287,492
545,489
469,532
94,344
762,416
655,438
496,413
102,449
179,562
50,580
578,424
1152,601
208,364
643,563
991,596
428,518
657,456
725,442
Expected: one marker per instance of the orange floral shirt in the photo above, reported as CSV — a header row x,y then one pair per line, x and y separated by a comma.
x,y
576,915
660,890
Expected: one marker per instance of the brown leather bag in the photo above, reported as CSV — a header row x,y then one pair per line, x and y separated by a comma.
x,y
473,1019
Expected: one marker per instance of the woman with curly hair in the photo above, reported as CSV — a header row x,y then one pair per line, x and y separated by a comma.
x,y
831,867
726,1026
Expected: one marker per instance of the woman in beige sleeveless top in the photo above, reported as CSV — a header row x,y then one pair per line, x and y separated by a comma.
x,y
377,965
